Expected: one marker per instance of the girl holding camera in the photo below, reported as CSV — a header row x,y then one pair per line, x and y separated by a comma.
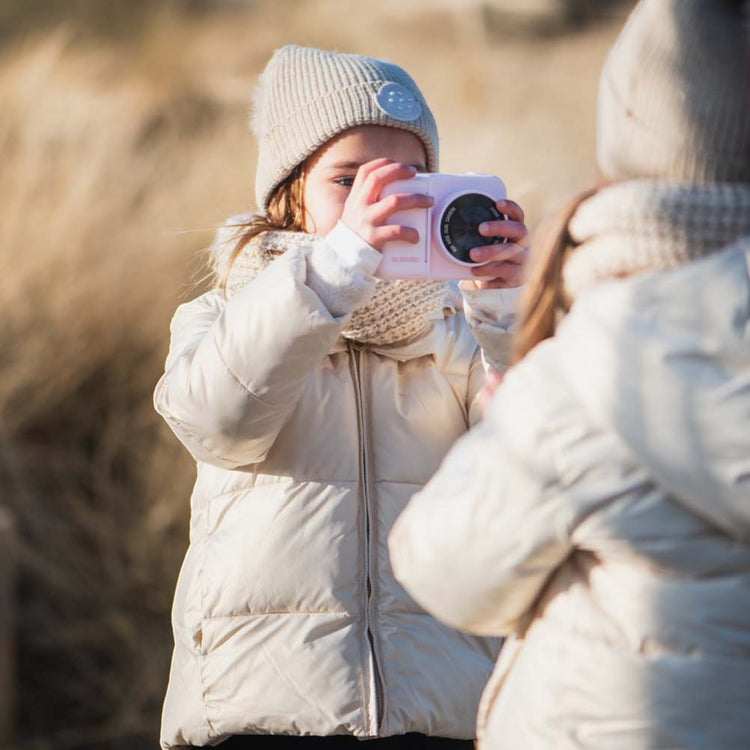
x,y
316,399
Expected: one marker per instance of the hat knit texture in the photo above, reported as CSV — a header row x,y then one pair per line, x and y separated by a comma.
x,y
674,95
306,96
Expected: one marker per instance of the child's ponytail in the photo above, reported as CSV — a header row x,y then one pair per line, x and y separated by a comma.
x,y
285,212
543,300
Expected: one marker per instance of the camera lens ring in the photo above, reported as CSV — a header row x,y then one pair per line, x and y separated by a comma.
x,y
459,222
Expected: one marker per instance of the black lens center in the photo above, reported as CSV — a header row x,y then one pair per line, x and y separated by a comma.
x,y
459,224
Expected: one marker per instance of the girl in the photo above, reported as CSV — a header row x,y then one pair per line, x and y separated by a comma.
x,y
601,513
316,401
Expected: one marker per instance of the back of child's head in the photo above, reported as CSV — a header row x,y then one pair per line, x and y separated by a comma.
x,y
305,97
674,96
673,115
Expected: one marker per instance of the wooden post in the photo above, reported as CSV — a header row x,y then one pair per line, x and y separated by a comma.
x,y
7,644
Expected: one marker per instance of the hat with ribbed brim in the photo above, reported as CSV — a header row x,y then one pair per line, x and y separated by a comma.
x,y
305,97
674,95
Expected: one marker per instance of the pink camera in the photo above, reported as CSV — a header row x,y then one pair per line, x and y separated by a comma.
x,y
447,231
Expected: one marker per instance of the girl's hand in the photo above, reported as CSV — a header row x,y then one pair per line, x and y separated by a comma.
x,y
492,380
366,213
508,259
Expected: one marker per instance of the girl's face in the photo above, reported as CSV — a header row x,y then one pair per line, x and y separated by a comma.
x,y
330,171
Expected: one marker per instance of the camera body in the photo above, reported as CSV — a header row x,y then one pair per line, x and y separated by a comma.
x,y
447,230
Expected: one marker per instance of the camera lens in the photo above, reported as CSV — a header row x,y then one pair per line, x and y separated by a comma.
x,y
460,221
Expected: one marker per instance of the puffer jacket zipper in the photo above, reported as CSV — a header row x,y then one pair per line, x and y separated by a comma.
x,y
375,682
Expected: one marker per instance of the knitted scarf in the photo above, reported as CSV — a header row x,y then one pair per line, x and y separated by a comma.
x,y
647,225
398,310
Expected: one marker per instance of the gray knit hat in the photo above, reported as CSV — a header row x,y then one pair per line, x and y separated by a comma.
x,y
307,96
674,95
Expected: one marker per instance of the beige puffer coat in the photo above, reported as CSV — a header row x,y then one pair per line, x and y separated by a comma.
x,y
602,514
287,618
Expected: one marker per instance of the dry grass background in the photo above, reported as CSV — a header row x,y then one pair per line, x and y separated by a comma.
x,y
123,144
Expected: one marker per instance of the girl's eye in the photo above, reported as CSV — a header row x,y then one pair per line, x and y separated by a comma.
x,y
344,181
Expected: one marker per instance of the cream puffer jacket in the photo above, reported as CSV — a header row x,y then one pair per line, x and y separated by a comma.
x,y
287,618
601,513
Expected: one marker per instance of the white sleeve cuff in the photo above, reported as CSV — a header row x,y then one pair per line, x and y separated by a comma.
x,y
352,249
341,270
494,307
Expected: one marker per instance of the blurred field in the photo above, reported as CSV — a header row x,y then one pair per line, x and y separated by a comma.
x,y
123,144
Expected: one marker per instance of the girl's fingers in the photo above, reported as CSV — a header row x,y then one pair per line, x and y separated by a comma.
x,y
503,274
512,228
492,380
367,169
511,209
383,175
508,252
393,232
515,231
505,278
392,204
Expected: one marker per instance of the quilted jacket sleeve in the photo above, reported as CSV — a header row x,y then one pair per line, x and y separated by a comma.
x,y
237,367
491,314
478,544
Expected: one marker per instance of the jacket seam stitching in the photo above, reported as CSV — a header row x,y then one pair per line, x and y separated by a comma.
x,y
202,652
336,613
239,382
180,427
256,486
469,397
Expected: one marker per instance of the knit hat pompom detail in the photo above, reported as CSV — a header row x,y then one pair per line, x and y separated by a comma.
x,y
306,96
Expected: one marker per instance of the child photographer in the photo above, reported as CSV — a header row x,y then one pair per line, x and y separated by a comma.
x,y
316,399
601,512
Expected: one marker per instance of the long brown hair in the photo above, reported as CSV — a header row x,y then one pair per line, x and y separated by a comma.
x,y
543,300
285,212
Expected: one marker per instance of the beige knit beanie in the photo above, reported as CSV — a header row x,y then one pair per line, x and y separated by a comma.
x,y
674,96
307,96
